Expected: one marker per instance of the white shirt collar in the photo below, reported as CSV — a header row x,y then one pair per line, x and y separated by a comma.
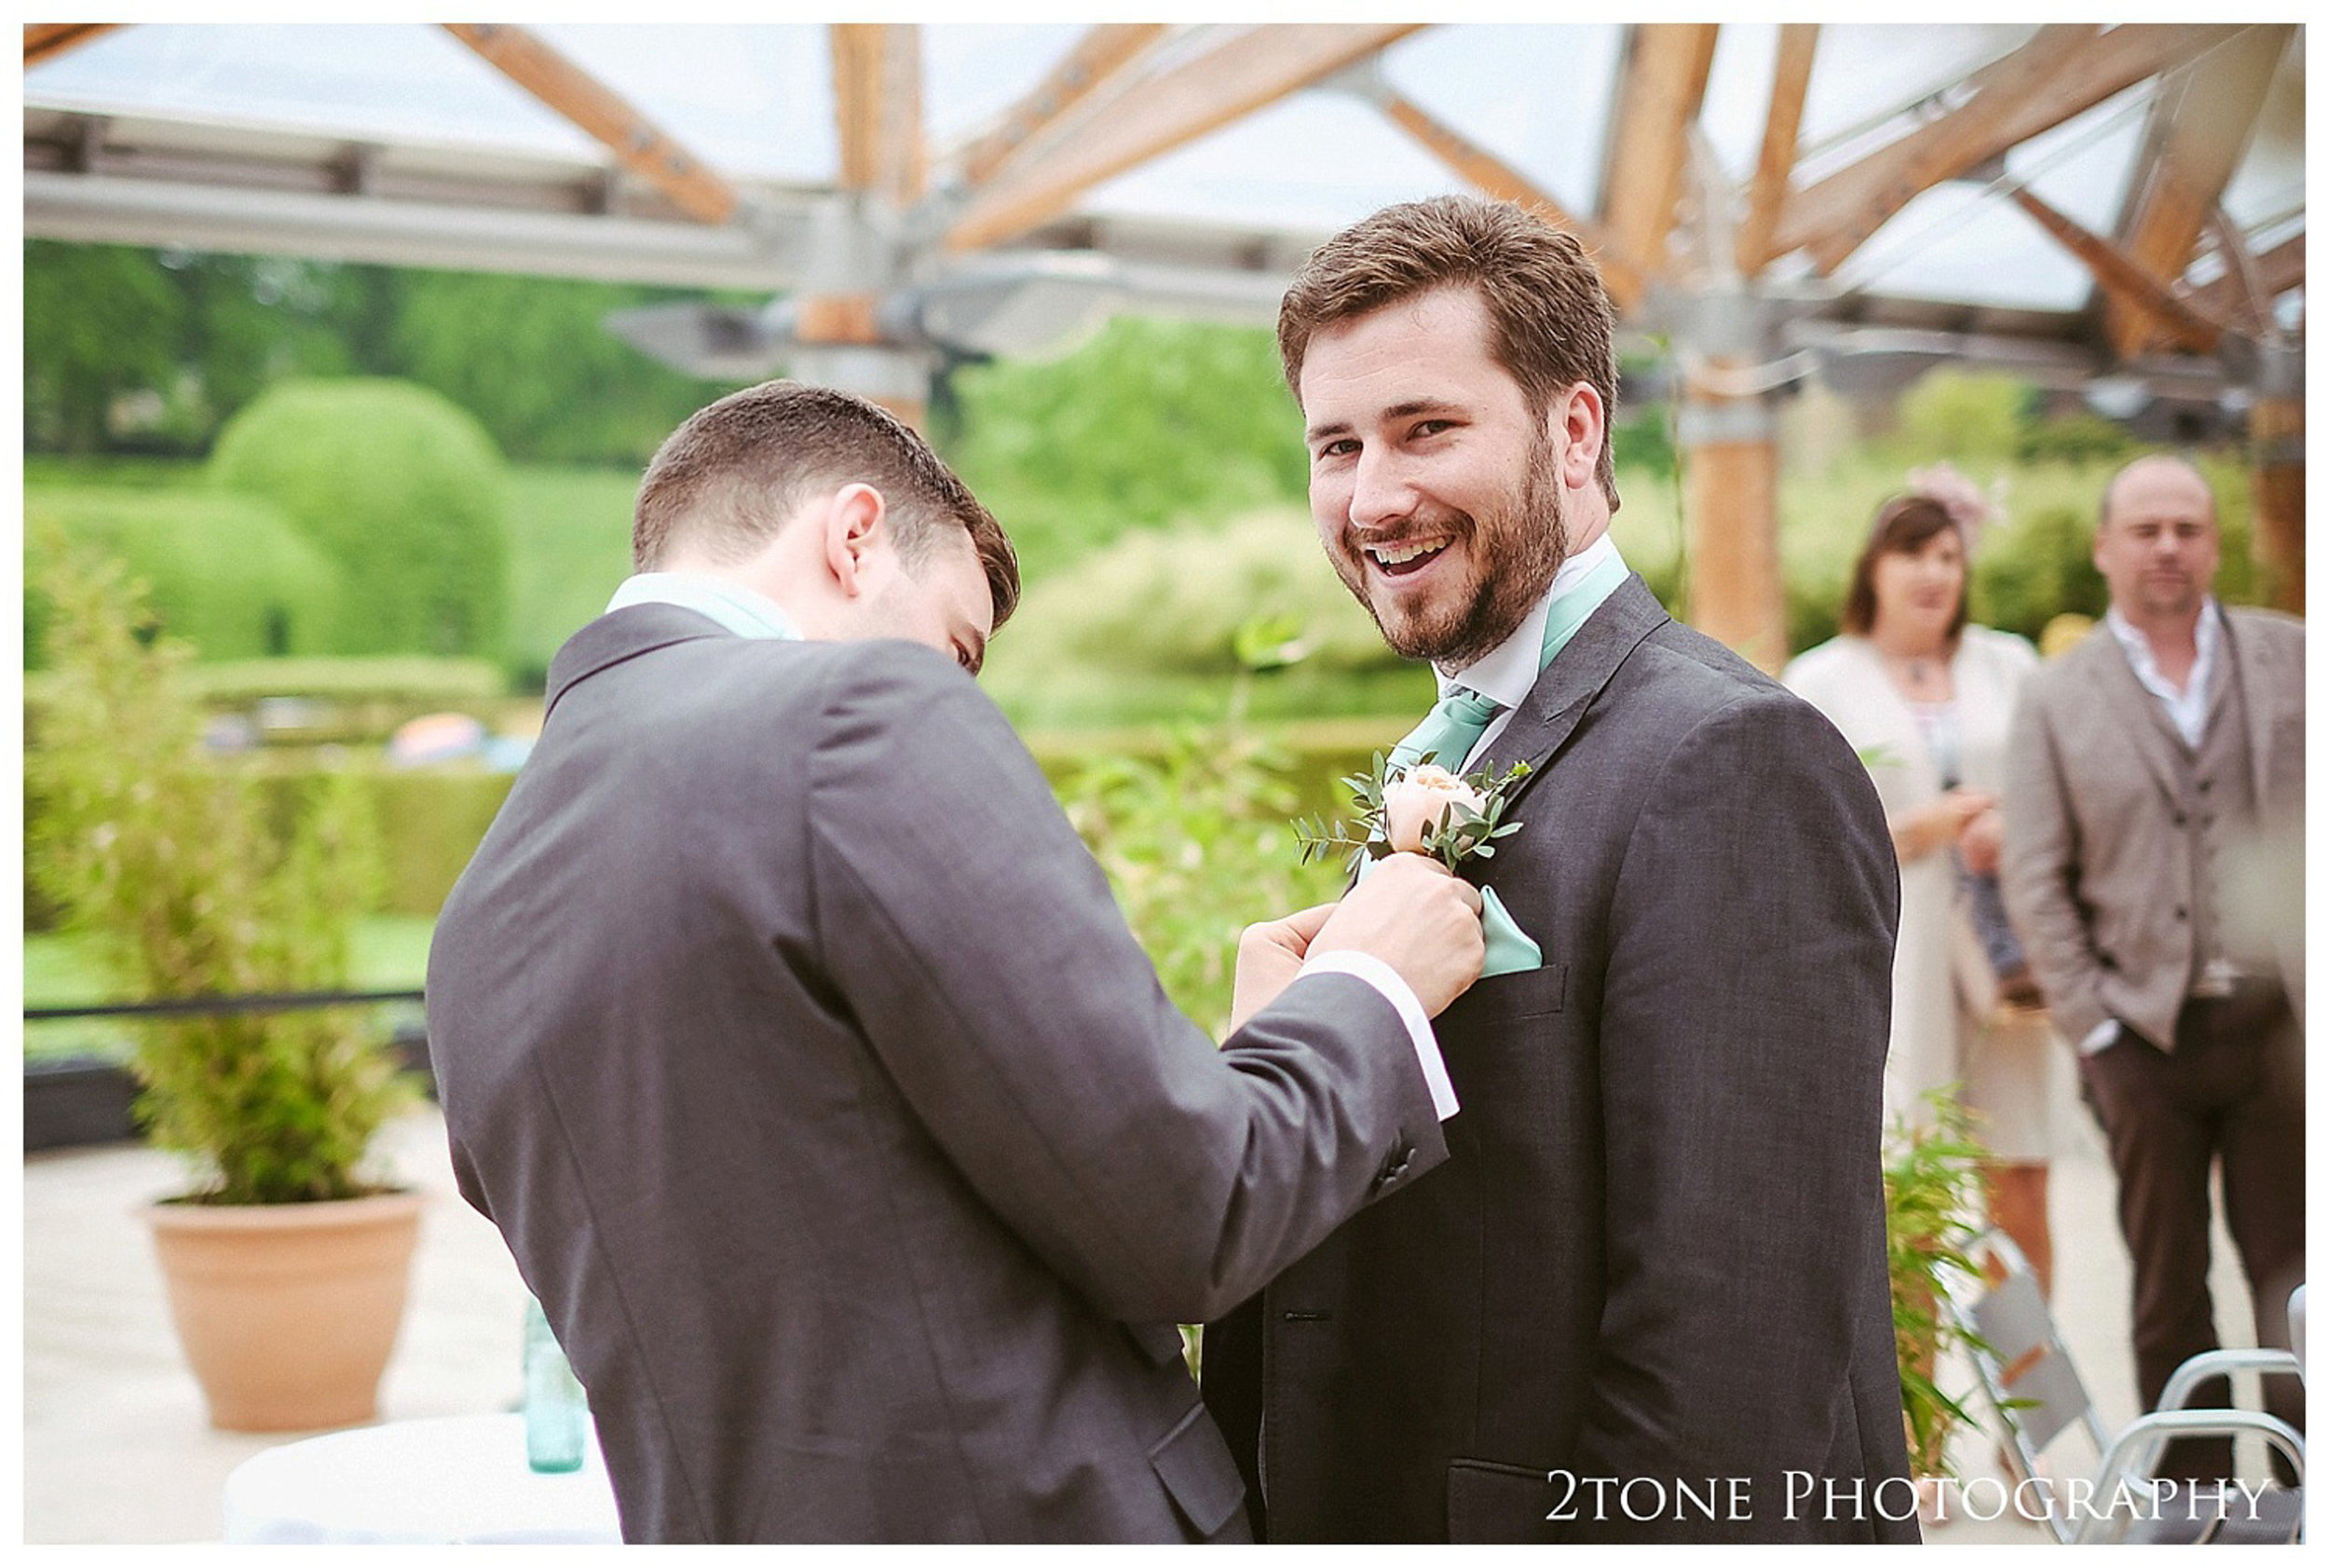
x,y
733,606
2187,708
1509,671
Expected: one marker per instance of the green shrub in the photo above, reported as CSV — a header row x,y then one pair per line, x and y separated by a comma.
x,y
2034,569
1972,417
166,863
1198,842
402,490
1932,1166
431,821
1174,600
428,821
230,575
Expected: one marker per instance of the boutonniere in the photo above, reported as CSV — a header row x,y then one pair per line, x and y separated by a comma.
x,y
1419,808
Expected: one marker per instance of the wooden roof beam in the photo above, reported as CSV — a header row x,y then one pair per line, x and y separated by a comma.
x,y
1175,106
573,92
1661,83
1486,173
1103,51
2270,275
2062,71
45,41
1791,82
2202,122
878,108
2124,281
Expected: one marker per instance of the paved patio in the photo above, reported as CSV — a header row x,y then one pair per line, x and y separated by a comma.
x,y
117,1447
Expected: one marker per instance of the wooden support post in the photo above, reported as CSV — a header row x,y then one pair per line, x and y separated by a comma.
x,y
1730,505
2276,443
841,346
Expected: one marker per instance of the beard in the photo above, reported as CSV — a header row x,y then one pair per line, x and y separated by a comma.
x,y
1514,550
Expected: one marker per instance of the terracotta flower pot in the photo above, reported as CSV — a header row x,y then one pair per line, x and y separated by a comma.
x,y
288,1311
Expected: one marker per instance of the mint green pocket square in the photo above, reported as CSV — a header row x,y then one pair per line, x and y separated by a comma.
x,y
1509,950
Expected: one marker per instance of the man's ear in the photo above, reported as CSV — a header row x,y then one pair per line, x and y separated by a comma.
x,y
855,524
1581,425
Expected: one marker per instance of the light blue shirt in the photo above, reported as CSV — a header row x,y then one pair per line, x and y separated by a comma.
x,y
733,606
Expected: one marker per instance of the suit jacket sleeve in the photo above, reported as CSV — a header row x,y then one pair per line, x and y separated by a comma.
x,y
976,941
2039,869
1742,1044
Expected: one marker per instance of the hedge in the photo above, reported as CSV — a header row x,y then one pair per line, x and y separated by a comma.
x,y
229,574
432,819
403,489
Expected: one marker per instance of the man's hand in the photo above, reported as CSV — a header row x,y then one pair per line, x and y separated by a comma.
x,y
1418,916
1269,956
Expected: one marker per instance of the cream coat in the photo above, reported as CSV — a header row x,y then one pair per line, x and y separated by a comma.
x,y
1943,993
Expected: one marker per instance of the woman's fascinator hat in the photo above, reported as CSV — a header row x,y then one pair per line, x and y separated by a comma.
x,y
1968,506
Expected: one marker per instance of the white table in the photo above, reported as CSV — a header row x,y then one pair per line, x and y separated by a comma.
x,y
453,1479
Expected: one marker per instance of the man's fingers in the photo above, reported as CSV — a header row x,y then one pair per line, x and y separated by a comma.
x,y
1304,923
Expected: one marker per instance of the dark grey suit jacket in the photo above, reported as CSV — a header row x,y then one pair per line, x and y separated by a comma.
x,y
795,1043
1657,1254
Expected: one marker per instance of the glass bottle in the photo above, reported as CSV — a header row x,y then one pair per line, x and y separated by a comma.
x,y
556,1409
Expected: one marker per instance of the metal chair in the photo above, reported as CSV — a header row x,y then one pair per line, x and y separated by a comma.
x,y
2028,1377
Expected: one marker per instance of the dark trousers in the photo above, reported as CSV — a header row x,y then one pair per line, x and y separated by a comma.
x,y
2232,1092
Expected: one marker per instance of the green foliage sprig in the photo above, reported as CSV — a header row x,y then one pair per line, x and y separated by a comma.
x,y
1460,833
1933,1198
163,859
1194,841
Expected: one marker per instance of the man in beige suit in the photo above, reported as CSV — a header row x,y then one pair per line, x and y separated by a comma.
x,y
2147,766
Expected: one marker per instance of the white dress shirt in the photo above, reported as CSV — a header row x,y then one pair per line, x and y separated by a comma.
x,y
2188,709
1508,672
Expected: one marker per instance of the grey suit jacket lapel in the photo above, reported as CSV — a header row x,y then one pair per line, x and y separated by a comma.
x,y
1569,684
619,635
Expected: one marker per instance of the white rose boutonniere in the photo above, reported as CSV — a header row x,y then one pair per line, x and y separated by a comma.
x,y
1422,800
1420,808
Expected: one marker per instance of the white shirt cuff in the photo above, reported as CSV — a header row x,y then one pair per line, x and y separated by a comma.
x,y
2098,1037
1367,967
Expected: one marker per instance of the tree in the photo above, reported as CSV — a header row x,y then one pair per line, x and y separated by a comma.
x,y
1152,422
101,321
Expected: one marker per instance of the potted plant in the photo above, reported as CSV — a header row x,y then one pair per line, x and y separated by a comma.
x,y
1932,1193
287,1260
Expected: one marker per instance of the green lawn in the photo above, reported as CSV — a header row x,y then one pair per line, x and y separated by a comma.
x,y
392,953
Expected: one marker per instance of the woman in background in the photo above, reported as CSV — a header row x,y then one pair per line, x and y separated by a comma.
x,y
1926,699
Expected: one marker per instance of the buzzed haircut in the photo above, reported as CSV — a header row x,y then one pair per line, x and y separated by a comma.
x,y
2110,485
736,470
1551,322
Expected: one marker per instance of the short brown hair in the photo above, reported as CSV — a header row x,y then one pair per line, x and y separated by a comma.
x,y
1903,524
1549,316
735,471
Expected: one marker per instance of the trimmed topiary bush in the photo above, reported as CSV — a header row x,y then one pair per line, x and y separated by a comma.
x,y
230,575
404,490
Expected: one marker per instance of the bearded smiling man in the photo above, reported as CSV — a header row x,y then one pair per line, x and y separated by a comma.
x,y
1645,1299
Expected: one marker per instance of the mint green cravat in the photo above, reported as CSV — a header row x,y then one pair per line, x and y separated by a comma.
x,y
1455,724
1450,731
1571,610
